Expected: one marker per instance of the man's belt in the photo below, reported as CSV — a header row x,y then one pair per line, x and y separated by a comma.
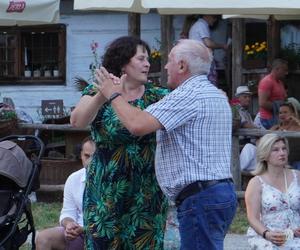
x,y
197,187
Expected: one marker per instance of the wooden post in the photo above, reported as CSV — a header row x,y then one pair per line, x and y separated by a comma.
x,y
273,40
134,24
237,53
235,163
167,38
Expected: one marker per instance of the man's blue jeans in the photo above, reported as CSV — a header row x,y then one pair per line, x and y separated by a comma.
x,y
204,218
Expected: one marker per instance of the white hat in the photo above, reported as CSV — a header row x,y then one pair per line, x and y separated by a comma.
x,y
295,102
242,90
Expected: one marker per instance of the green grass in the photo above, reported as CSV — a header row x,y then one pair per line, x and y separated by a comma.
x,y
47,215
44,215
240,223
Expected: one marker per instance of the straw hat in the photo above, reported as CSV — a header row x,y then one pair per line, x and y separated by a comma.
x,y
242,90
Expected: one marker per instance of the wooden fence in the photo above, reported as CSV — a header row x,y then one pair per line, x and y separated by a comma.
x,y
235,164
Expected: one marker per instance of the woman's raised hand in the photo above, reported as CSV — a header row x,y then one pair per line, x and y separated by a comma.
x,y
107,83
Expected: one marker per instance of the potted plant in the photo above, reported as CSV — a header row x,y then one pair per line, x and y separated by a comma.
x,y
8,119
155,61
47,71
37,72
27,71
55,71
255,55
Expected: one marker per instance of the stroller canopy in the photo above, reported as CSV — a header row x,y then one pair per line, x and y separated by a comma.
x,y
14,163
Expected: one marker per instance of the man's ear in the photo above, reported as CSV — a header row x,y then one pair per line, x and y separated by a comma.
x,y
182,66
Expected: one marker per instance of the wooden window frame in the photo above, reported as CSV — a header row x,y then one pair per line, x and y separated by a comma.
x,y
19,67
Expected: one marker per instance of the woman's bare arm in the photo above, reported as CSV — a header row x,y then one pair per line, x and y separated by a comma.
x,y
86,110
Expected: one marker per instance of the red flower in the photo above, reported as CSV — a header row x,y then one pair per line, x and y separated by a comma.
x,y
94,46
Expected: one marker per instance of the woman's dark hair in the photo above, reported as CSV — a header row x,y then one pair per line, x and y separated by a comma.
x,y
119,53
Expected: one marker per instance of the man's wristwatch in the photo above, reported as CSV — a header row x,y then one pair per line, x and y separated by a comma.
x,y
114,96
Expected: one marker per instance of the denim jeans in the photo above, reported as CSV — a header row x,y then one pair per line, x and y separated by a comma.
x,y
204,218
268,123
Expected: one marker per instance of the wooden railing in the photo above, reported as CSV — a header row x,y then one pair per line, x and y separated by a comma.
x,y
54,127
235,164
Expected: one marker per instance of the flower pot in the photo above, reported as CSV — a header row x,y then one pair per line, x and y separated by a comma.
x,y
47,73
254,63
36,73
27,73
56,73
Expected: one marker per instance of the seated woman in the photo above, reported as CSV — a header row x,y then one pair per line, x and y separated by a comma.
x,y
288,118
273,198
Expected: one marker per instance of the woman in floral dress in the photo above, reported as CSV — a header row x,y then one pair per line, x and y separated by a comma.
x,y
124,207
273,198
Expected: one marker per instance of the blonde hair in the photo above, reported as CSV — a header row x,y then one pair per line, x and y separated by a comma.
x,y
264,149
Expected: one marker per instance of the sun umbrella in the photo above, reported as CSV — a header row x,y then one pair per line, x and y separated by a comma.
x,y
111,5
229,7
29,12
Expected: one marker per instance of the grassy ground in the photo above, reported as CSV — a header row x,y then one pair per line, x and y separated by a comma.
x,y
240,223
46,215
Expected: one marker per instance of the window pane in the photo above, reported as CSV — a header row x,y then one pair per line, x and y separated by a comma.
x,y
40,50
7,54
32,54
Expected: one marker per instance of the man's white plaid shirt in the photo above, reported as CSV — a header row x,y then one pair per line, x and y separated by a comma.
x,y
195,143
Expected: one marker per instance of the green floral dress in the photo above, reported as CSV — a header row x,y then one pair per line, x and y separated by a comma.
x,y
123,205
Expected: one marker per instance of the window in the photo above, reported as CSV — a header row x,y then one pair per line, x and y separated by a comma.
x,y
33,54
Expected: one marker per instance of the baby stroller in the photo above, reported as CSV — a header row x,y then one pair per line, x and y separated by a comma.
x,y
19,176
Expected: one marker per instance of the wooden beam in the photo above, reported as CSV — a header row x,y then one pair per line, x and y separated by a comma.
x,y
51,188
134,24
167,38
237,53
235,163
57,127
273,40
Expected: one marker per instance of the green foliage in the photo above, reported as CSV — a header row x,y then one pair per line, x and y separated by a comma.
x,y
6,115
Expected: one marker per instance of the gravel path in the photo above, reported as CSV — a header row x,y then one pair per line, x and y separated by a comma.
x,y
236,242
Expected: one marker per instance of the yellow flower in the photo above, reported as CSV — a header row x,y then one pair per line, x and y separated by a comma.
x,y
256,50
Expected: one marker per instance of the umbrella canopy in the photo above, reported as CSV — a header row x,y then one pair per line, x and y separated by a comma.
x,y
29,12
229,7
264,17
111,5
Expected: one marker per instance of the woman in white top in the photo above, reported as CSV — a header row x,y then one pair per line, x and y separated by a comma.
x,y
273,198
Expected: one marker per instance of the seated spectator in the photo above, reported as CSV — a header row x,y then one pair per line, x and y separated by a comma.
x,y
69,235
248,157
288,118
273,198
244,96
